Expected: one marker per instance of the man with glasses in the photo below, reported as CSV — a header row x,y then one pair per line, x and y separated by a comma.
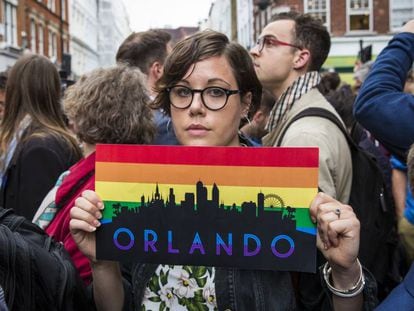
x,y
287,57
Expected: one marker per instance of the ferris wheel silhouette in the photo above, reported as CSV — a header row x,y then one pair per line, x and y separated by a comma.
x,y
273,201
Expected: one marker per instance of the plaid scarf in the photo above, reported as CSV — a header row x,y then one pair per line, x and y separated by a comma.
x,y
299,87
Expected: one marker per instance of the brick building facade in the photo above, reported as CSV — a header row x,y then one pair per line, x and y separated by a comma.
x,y
44,27
38,26
351,23
342,17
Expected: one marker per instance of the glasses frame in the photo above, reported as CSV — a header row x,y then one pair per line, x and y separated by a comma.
x,y
201,91
260,43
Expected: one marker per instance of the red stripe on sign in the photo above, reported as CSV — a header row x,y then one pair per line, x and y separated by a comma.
x,y
235,156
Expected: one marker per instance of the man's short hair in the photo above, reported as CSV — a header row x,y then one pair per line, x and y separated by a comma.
x,y
142,49
310,34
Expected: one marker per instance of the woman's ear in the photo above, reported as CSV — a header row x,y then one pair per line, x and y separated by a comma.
x,y
246,101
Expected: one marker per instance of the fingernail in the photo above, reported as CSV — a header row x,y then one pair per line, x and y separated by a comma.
x,y
100,205
325,246
92,228
313,219
96,223
98,215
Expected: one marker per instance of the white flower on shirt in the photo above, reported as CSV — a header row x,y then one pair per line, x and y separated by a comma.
x,y
209,294
167,295
186,285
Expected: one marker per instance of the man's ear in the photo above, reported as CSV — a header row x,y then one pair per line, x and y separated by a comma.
x,y
259,116
302,59
156,70
246,101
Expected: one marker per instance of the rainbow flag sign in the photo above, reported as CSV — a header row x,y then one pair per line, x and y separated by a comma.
x,y
208,206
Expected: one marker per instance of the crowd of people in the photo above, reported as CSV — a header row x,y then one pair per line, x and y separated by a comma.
x,y
209,91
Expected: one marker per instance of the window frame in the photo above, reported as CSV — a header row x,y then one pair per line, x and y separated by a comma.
x,y
350,12
41,39
10,22
327,11
33,35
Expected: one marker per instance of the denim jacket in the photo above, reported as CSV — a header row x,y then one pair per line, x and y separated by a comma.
x,y
246,290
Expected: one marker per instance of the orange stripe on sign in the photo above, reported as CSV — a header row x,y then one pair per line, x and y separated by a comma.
x,y
297,177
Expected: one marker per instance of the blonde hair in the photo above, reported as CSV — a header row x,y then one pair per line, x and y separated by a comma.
x,y
110,106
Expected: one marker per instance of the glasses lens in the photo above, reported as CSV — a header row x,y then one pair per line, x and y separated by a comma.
x,y
180,96
214,97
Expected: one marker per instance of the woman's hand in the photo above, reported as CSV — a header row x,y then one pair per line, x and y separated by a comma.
x,y
337,238
85,217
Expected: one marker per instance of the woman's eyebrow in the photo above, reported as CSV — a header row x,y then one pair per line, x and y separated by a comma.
x,y
218,80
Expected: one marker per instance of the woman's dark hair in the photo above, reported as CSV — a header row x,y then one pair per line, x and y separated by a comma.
x,y
343,101
201,46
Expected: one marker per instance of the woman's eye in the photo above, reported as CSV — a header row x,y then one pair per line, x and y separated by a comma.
x,y
182,91
215,92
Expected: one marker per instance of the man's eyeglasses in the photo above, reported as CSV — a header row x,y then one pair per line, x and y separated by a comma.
x,y
271,40
213,98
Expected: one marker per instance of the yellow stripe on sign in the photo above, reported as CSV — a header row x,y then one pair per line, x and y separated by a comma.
x,y
132,192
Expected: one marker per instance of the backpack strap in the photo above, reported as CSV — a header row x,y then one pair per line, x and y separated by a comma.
x,y
10,219
322,113
4,212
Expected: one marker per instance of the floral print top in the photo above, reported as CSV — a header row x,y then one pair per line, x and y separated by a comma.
x,y
180,288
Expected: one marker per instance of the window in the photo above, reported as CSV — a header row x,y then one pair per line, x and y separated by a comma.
x,y
51,5
401,12
32,36
52,45
359,15
55,45
63,9
318,9
262,19
10,22
40,41
65,46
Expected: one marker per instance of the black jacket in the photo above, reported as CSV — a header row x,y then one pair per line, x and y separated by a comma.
x,y
37,163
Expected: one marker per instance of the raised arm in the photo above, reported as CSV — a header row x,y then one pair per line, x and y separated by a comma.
x,y
381,106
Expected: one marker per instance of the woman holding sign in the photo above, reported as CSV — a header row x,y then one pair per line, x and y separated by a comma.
x,y
209,85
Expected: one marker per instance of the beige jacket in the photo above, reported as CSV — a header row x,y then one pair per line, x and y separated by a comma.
x,y
335,165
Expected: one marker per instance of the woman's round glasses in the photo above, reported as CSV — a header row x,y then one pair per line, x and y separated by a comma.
x,y
213,98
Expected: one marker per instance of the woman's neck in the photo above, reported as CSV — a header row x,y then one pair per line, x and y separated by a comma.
x,y
88,149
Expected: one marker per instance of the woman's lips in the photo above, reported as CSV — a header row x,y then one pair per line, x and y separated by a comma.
x,y
197,130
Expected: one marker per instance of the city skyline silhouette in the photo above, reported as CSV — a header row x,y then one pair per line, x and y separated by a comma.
x,y
198,202
202,218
